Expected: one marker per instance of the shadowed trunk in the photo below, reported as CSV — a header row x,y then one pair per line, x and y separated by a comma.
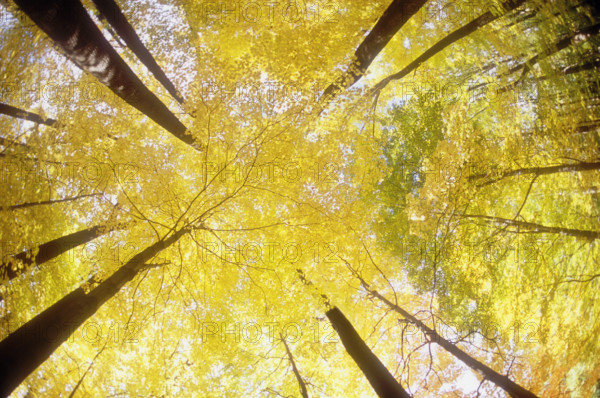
x,y
7,143
382,381
394,17
49,202
29,346
68,24
299,378
538,171
566,41
453,37
10,110
512,388
111,11
536,228
491,375
51,249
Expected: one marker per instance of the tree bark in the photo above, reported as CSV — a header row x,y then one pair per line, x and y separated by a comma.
x,y
512,388
394,17
68,24
382,381
532,227
51,249
111,11
538,171
30,345
10,110
561,44
49,202
7,142
571,69
453,37
299,378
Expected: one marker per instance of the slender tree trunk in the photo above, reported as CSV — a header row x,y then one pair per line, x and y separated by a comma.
x,y
394,17
574,37
29,346
7,142
571,69
501,381
10,110
453,37
49,202
111,11
69,25
539,171
382,381
532,227
51,249
299,378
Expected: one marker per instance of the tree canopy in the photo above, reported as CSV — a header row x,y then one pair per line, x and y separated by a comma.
x,y
300,199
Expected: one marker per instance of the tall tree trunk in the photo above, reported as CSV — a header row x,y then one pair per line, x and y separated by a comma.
x,y
7,142
453,37
394,17
111,11
382,381
10,110
538,228
567,40
51,249
49,202
538,171
69,25
29,346
512,388
301,383
571,69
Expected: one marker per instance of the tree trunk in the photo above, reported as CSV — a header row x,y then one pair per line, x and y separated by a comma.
x,y
394,17
51,249
111,11
7,143
532,227
382,381
453,37
538,171
490,374
10,110
571,69
29,346
68,24
301,383
49,202
574,37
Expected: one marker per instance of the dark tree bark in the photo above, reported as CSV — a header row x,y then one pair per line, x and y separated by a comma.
x,y
29,346
490,374
538,171
10,110
49,202
111,11
51,249
394,17
564,42
7,142
571,69
513,389
299,378
453,37
68,24
537,228
382,381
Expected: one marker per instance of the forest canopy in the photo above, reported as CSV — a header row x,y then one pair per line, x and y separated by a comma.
x,y
300,199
